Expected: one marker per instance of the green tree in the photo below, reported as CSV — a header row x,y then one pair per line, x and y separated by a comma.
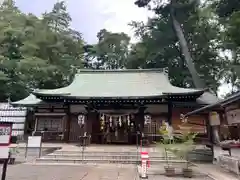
x,y
229,19
33,53
111,51
180,37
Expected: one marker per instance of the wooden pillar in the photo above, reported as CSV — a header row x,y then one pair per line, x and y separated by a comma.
x,y
169,118
209,133
140,118
88,122
68,123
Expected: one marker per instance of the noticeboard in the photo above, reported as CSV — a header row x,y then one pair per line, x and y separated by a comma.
x,y
233,117
5,134
34,141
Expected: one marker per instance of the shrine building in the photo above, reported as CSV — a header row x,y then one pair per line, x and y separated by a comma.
x,y
111,106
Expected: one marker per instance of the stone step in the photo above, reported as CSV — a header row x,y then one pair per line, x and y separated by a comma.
x,y
103,153
101,161
107,156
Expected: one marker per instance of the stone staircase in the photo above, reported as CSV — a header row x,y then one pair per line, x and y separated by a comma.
x,y
101,157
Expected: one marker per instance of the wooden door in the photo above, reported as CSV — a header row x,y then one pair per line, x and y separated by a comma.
x,y
75,130
96,131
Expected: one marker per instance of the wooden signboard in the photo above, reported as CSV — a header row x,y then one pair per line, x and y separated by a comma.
x,y
233,116
214,119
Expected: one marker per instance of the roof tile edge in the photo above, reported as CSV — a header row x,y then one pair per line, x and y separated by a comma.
x,y
159,70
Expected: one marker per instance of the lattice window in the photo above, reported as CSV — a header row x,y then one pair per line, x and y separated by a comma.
x,y
50,124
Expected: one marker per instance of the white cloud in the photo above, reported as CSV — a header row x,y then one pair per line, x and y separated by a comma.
x,y
122,12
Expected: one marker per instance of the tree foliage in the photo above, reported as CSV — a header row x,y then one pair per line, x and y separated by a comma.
x,y
163,47
196,42
110,52
228,13
36,52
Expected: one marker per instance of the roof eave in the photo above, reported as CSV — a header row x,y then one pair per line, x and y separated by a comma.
x,y
203,109
220,104
39,94
118,97
25,105
197,93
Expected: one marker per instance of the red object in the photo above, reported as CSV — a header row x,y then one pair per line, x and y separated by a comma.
x,y
6,125
144,153
148,162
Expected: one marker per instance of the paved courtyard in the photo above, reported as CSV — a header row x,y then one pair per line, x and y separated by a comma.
x,y
162,177
83,172
31,171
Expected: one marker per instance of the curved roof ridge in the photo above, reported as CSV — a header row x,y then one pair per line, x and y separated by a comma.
x,y
159,70
119,83
31,99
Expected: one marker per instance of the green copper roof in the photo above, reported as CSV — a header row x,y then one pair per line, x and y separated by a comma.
x,y
118,84
207,98
28,101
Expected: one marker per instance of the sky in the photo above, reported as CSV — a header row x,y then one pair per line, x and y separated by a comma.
x,y
89,16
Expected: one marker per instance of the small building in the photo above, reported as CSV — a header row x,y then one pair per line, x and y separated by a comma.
x,y
224,117
111,106
15,115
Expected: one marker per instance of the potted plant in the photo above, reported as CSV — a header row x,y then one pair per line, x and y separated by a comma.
x,y
166,144
13,153
169,169
183,150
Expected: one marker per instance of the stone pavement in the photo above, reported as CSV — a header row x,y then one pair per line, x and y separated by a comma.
x,y
162,177
156,172
83,172
216,172
94,147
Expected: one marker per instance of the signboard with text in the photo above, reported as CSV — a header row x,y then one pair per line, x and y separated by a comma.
x,y
5,134
34,141
5,139
233,116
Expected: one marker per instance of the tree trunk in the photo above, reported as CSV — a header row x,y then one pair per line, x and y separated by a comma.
x,y
198,83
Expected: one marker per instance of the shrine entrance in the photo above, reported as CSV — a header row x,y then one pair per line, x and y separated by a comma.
x,y
115,128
